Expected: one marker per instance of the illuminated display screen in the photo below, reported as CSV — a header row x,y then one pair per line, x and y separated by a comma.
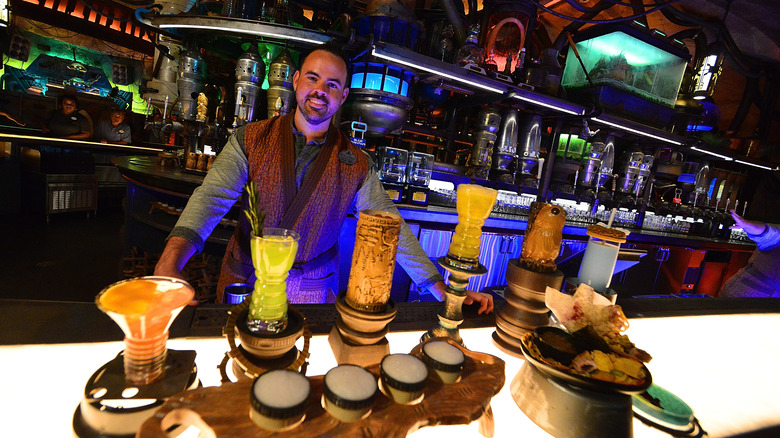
x,y
381,77
373,81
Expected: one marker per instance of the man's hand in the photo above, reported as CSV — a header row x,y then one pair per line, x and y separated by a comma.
x,y
175,255
485,300
750,227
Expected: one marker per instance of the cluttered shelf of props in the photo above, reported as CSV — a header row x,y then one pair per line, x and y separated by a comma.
x,y
225,408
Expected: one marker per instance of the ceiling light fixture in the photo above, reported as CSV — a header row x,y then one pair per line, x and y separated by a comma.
x,y
704,151
383,53
636,131
754,165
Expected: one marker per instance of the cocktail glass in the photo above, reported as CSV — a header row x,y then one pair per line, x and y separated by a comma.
x,y
474,204
144,309
272,256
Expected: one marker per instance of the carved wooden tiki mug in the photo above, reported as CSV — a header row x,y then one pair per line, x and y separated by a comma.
x,y
373,260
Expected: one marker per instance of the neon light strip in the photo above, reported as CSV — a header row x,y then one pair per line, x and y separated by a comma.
x,y
694,148
636,131
548,105
754,165
68,140
436,72
244,31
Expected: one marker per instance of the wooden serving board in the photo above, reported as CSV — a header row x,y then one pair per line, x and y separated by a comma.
x,y
223,411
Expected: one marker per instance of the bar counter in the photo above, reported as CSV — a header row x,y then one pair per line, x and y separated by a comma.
x,y
719,355
148,173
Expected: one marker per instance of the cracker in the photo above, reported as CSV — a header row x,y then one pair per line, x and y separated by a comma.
x,y
604,233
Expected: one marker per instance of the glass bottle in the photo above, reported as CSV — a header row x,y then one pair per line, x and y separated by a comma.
x,y
470,53
490,63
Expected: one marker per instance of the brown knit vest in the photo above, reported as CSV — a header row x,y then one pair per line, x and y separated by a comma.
x,y
317,211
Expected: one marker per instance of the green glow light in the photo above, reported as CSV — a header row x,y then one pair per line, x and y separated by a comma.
x,y
636,52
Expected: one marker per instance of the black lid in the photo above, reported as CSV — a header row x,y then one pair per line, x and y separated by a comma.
x,y
402,386
348,403
441,366
276,412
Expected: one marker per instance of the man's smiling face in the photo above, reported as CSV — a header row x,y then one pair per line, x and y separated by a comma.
x,y
320,86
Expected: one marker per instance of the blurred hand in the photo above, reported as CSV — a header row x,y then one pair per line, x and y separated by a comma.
x,y
750,227
485,301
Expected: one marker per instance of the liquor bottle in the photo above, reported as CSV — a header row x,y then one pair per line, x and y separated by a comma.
x,y
470,53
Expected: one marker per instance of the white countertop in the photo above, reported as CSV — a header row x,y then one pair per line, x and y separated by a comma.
x,y
724,367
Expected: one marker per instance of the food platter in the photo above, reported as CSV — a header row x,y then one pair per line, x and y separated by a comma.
x,y
579,380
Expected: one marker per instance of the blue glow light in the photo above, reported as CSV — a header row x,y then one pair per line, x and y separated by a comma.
x,y
687,178
373,81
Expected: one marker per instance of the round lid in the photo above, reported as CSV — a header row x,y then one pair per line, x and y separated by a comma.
x,y
404,372
280,393
443,356
350,387
605,233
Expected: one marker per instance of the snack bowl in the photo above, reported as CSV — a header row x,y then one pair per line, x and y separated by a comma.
x,y
555,343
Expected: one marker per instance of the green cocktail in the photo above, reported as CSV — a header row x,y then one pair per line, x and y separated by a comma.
x,y
272,256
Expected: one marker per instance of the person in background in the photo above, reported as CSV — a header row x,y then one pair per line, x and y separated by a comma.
x,y
310,176
153,129
67,122
114,130
761,276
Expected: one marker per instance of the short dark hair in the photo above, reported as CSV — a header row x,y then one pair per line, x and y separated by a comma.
x,y
72,97
336,50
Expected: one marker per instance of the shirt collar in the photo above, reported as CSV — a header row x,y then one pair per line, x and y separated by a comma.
x,y
298,133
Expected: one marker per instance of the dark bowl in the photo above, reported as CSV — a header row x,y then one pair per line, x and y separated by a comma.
x,y
556,344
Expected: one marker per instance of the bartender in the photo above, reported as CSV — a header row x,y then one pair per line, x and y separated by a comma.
x,y
309,177
67,122
114,130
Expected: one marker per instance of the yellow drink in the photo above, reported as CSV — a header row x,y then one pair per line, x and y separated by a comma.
x,y
474,204
144,309
272,256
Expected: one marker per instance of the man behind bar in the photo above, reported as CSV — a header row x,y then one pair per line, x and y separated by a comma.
x,y
309,177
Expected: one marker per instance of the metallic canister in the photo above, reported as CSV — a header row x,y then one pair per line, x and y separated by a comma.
x,y
529,142
281,96
629,173
192,74
607,161
591,165
250,72
506,141
482,150
489,119
236,293
373,261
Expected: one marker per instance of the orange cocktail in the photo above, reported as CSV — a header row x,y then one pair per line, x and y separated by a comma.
x,y
144,309
474,204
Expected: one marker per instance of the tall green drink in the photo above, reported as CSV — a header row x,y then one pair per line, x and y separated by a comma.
x,y
272,256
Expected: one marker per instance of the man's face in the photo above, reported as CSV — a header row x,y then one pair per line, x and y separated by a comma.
x,y
117,118
320,86
68,106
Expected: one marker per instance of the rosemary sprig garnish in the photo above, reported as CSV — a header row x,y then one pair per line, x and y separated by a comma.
x,y
253,213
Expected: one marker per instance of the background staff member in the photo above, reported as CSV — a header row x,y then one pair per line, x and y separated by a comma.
x,y
66,122
309,177
114,130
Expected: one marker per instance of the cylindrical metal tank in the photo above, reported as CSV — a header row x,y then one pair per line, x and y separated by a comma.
x,y
281,96
192,73
250,72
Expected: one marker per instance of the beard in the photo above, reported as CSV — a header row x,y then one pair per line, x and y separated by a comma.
x,y
315,116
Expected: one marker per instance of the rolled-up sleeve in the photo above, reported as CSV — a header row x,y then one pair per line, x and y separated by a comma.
x,y
220,190
410,254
